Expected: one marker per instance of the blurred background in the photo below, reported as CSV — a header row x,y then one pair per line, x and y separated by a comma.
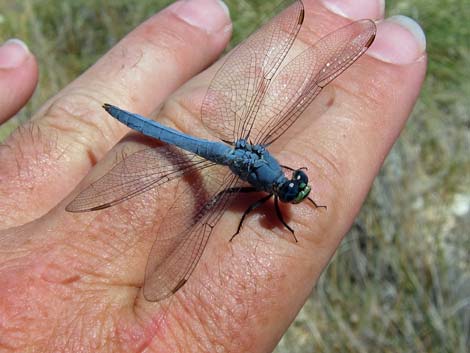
x,y
400,281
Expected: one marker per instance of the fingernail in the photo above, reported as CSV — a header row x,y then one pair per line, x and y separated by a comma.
x,y
13,53
400,40
356,9
210,15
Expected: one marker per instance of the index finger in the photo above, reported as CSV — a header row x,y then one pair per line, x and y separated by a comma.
x,y
71,131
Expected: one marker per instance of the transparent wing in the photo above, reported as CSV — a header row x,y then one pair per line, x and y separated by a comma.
x,y
301,80
135,174
185,230
234,95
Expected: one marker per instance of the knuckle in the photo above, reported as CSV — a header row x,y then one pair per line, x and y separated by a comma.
x,y
183,113
168,38
379,89
76,117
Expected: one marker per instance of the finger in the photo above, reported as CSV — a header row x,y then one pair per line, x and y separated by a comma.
x,y
18,77
266,278
71,132
366,108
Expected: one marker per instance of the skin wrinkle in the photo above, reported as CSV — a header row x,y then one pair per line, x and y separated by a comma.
x,y
166,334
23,132
81,323
208,326
82,246
264,270
172,331
159,319
179,325
69,118
114,281
68,94
227,332
21,139
108,340
213,334
67,130
61,334
14,244
126,246
200,304
137,55
25,315
354,96
354,120
290,253
114,245
14,150
89,272
69,328
233,306
73,267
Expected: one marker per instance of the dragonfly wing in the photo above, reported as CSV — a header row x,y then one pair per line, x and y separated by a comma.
x,y
301,80
135,174
234,95
185,230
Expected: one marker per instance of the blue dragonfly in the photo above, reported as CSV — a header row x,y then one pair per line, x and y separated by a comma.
x,y
253,99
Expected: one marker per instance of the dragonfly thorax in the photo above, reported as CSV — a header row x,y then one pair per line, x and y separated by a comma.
x,y
254,164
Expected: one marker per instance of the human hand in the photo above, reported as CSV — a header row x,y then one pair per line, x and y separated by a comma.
x,y
73,282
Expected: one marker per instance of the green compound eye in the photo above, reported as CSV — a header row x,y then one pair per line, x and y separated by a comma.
x,y
303,193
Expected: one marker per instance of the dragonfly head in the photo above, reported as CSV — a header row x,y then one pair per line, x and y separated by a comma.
x,y
296,189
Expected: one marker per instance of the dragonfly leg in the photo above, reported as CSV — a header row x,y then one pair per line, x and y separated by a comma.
x,y
287,167
242,189
315,204
279,215
252,207
231,143
292,169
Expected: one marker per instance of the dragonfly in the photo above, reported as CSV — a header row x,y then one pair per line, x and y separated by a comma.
x,y
254,97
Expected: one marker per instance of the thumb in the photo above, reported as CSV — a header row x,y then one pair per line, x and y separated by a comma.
x,y
18,77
